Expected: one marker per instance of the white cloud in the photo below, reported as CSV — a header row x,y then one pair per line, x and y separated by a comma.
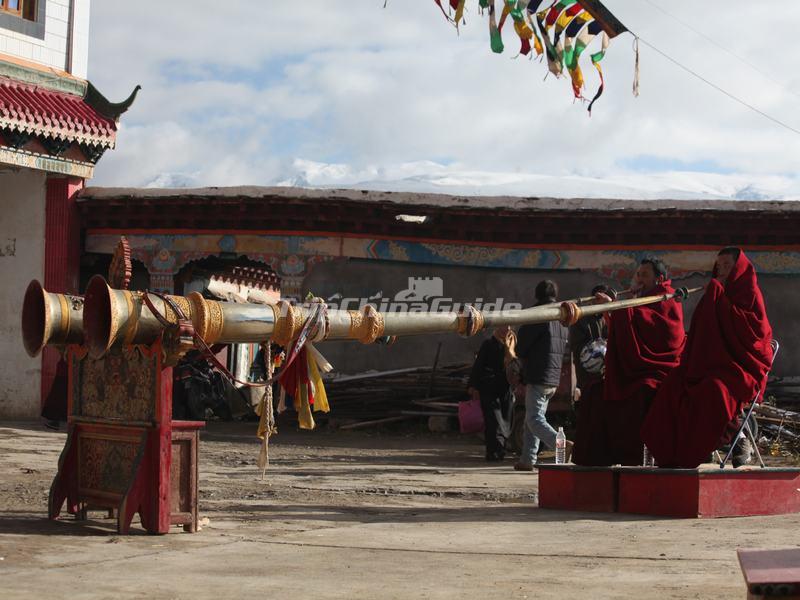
x,y
258,92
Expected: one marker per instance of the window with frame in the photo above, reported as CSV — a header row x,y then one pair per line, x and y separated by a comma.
x,y
21,8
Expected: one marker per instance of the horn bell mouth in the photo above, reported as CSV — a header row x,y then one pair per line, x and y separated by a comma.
x,y
36,321
98,317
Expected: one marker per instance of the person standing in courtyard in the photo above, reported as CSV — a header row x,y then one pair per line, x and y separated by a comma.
x,y
488,383
541,349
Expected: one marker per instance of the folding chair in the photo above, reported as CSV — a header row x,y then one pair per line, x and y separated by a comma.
x,y
745,426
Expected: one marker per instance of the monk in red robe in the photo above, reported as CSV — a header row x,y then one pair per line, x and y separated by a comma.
x,y
644,345
725,362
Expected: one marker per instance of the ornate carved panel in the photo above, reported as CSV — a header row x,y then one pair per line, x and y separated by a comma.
x,y
122,386
106,463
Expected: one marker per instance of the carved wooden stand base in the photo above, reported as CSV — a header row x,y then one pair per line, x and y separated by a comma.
x,y
123,451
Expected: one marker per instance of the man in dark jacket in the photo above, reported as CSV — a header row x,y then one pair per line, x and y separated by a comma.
x,y
488,383
541,348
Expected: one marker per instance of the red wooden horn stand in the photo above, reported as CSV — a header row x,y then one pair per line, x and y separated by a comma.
x,y
124,453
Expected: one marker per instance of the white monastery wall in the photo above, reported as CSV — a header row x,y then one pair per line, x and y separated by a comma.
x,y
22,220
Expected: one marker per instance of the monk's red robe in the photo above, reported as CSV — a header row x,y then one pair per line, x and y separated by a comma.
x,y
726,359
644,346
590,435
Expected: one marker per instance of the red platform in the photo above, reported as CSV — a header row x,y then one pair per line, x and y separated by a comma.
x,y
684,493
571,487
709,491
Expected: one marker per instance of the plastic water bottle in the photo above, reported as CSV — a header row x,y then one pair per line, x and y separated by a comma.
x,y
561,447
647,458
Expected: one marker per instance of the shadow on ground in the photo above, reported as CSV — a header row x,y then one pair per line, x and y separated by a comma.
x,y
15,523
501,513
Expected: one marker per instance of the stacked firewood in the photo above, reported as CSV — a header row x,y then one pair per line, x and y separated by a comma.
x,y
779,417
375,398
379,397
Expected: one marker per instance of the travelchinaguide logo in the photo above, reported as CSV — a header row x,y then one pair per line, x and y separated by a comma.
x,y
423,295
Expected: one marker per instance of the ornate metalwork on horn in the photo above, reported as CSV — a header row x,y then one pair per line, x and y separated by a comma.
x,y
120,317
50,319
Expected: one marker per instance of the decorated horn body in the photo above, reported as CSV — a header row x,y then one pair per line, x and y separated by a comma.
x,y
50,319
121,317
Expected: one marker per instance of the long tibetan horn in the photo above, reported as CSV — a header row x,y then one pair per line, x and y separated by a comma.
x,y
121,317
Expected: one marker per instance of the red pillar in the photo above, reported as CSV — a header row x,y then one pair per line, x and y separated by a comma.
x,y
62,254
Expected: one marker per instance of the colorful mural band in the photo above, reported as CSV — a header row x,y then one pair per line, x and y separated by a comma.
x,y
293,257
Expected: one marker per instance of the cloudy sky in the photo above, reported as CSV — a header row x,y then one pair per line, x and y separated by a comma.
x,y
347,93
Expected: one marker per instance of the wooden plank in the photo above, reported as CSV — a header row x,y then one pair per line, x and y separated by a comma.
x,y
770,566
375,422
161,439
771,573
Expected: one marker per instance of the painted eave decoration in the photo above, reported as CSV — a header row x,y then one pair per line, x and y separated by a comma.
x,y
56,130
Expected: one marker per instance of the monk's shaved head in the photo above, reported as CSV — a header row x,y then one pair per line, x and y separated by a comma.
x,y
546,291
726,260
659,268
732,251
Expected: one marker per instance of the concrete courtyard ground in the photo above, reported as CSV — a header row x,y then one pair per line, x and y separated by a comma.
x,y
359,515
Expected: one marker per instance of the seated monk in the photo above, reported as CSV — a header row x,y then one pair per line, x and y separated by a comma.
x,y
644,345
725,362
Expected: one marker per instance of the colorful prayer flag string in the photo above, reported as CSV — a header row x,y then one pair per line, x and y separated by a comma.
x,y
561,30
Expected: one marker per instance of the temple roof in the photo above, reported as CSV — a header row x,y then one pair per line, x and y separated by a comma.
x,y
45,113
493,220
255,195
